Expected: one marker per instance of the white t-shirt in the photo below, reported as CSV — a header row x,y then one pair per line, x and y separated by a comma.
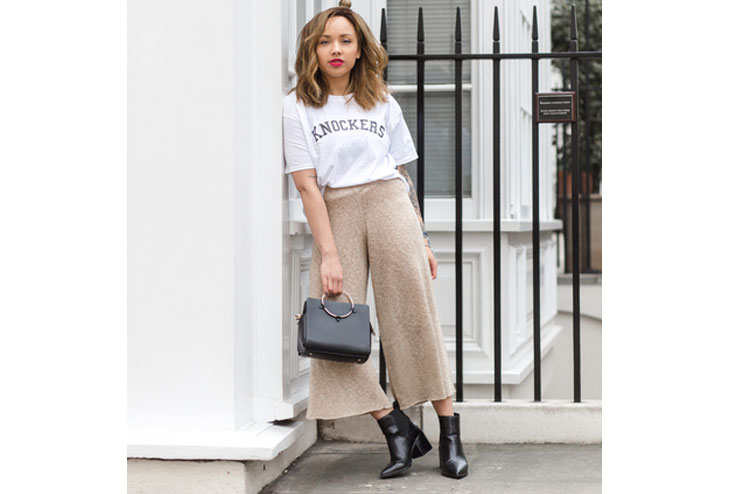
x,y
346,144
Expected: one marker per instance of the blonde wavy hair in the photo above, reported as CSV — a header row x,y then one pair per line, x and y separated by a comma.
x,y
366,77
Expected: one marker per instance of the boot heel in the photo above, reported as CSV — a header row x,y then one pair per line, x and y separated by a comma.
x,y
421,445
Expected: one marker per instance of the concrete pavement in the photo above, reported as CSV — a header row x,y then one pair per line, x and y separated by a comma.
x,y
339,467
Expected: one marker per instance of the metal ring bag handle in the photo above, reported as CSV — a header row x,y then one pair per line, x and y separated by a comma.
x,y
352,305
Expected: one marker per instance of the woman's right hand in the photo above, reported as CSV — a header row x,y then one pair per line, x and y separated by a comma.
x,y
331,272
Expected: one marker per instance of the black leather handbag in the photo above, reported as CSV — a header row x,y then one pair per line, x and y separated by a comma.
x,y
333,330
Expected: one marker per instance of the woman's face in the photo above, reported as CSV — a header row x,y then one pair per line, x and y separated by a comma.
x,y
337,51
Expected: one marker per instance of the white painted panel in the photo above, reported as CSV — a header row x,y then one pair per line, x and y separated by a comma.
x,y
181,236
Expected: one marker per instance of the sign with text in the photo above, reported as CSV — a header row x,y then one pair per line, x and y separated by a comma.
x,y
555,107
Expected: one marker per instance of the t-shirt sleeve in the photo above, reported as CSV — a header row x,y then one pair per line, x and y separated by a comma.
x,y
402,146
295,150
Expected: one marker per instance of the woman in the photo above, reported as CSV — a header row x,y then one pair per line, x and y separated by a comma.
x,y
345,143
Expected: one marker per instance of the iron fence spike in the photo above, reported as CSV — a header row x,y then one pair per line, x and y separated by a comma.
x,y
573,22
496,23
420,26
458,29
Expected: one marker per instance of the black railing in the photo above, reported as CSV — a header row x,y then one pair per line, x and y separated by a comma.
x,y
590,89
496,57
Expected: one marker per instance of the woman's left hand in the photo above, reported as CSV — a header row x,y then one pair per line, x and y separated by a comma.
x,y
432,260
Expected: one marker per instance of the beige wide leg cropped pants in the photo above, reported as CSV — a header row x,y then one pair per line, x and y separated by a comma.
x,y
375,227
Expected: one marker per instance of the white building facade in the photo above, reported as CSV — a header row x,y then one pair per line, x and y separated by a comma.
x,y
219,250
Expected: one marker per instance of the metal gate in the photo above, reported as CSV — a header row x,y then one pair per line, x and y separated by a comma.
x,y
551,107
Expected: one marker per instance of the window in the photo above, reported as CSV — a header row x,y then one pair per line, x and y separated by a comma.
x,y
439,30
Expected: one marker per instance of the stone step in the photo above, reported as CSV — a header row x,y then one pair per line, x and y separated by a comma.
x,y
489,422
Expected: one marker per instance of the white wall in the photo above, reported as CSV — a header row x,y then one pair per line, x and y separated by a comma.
x,y
181,213
204,216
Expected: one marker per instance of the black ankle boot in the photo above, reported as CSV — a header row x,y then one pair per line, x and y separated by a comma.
x,y
453,462
405,441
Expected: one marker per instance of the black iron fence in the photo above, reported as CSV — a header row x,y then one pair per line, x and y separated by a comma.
x,y
590,141
574,55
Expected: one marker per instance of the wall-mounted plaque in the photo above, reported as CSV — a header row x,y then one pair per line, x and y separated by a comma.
x,y
555,107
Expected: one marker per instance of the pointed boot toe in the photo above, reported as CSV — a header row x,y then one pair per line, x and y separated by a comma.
x,y
453,462
394,469
405,441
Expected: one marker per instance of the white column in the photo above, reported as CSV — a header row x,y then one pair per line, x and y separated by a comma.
x,y
206,339
181,214
262,274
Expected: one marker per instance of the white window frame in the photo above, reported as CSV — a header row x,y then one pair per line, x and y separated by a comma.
x,y
439,208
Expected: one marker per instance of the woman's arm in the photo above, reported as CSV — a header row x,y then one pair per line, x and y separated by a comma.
x,y
315,209
316,212
415,202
